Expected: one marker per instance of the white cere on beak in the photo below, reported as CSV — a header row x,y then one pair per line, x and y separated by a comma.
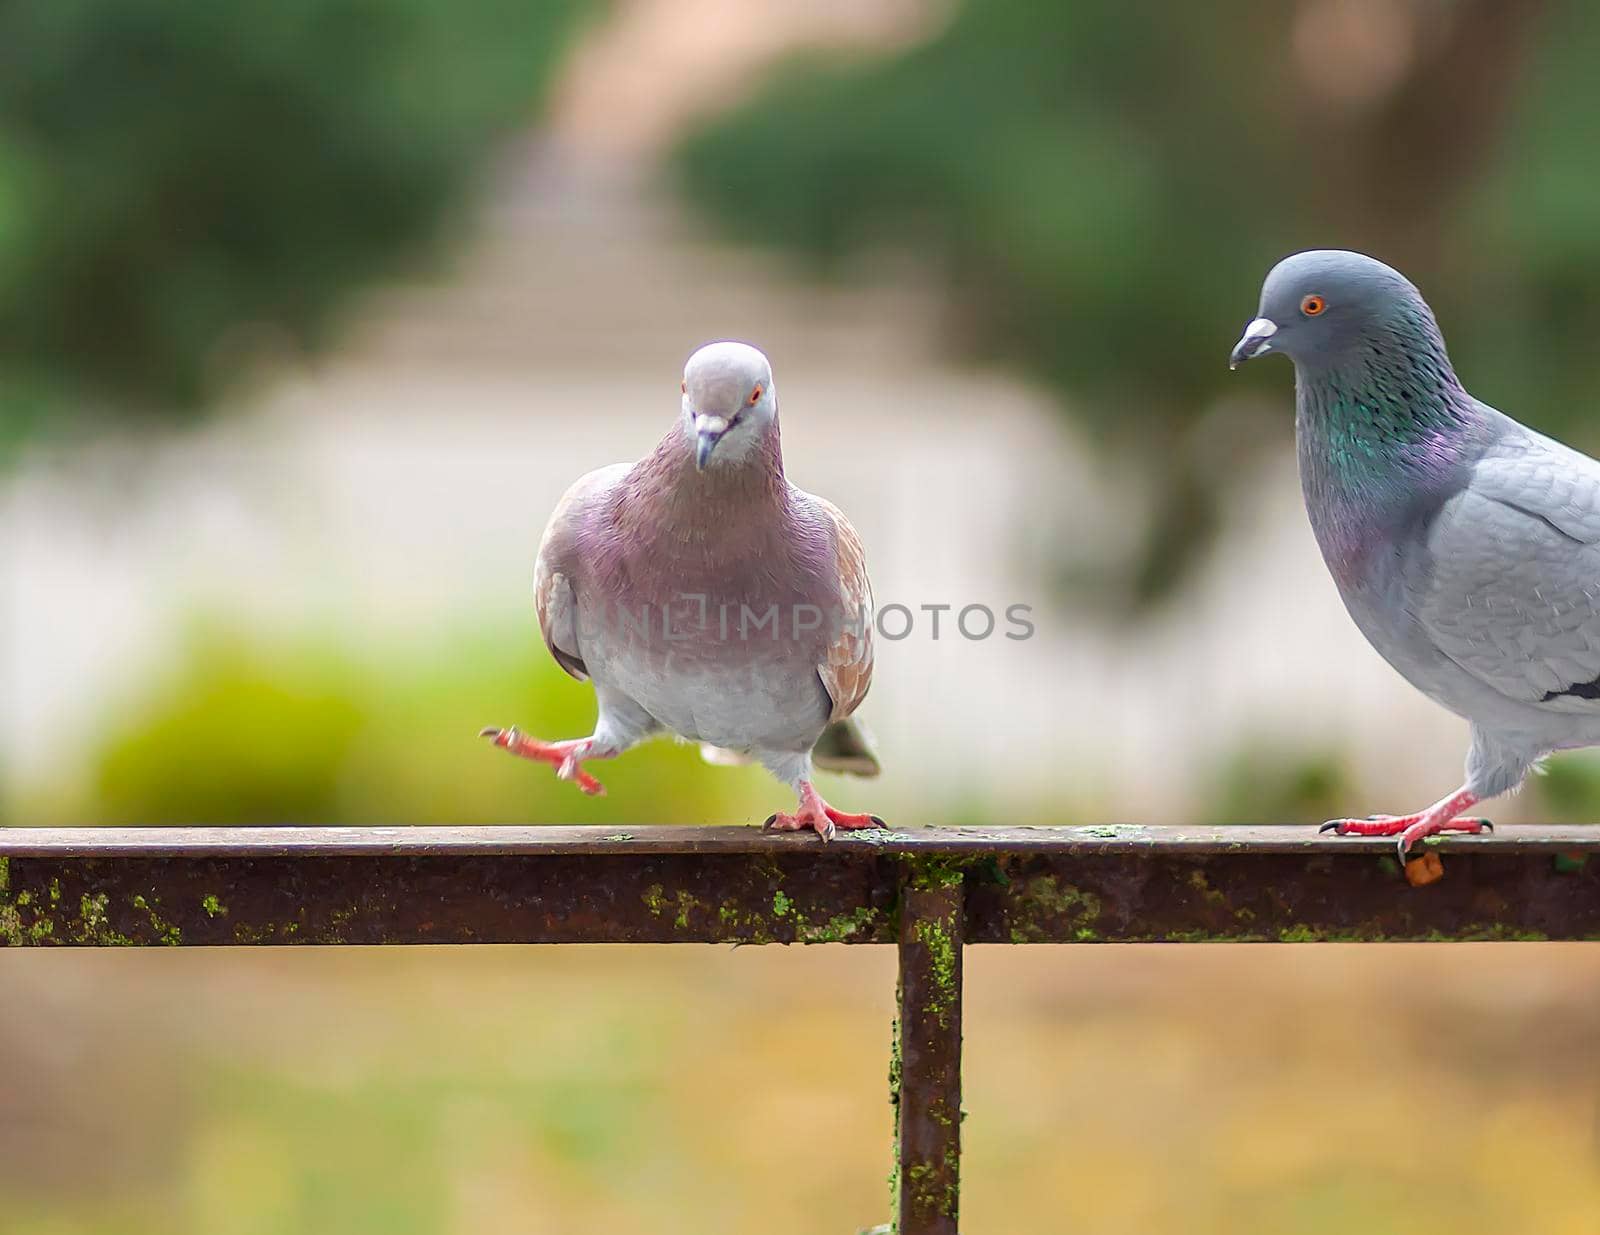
x,y
710,424
1255,341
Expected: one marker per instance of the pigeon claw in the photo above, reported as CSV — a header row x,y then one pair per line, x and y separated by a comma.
x,y
1412,837
565,757
854,823
814,813
1410,831
799,821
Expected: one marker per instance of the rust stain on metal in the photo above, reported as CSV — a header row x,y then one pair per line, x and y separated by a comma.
x,y
1024,885
448,899
928,1073
1280,897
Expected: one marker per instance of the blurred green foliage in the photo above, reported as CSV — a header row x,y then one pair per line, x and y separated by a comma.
x,y
268,731
241,736
1266,783
1569,789
246,729
186,183
1104,186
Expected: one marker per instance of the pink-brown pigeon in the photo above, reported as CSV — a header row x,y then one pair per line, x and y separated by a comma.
x,y
706,596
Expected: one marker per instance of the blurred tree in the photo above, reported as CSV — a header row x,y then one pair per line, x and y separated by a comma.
x,y
239,736
182,180
1267,781
247,730
1105,185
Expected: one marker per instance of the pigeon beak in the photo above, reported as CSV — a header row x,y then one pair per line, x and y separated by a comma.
x,y
1255,341
708,431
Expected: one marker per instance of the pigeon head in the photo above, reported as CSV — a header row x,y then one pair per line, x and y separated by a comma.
x,y
1323,307
1381,420
728,401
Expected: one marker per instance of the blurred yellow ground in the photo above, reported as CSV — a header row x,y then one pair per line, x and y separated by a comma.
x,y
1110,1090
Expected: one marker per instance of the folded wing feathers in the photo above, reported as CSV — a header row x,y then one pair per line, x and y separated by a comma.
x,y
553,598
846,671
1516,572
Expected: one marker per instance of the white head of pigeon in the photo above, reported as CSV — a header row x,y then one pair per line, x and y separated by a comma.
x,y
729,401
1465,545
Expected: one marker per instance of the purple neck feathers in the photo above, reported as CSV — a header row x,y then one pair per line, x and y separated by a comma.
x,y
1383,439
731,531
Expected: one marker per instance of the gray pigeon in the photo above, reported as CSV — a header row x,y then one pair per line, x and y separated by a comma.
x,y
1466,547
704,595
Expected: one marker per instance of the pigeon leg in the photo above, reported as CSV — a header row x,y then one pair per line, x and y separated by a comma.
x,y
815,813
566,757
1443,816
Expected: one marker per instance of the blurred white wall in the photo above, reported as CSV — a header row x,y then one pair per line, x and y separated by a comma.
x,y
398,491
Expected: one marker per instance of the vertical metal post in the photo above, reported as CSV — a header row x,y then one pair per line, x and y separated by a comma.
x,y
925,1074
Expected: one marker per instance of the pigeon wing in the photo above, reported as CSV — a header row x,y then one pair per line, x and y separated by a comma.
x,y
846,669
1513,592
554,597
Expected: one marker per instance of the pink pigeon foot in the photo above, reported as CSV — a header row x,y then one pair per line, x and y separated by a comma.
x,y
815,813
1412,830
566,757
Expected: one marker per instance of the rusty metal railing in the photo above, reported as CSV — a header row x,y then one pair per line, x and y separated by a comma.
x,y
930,892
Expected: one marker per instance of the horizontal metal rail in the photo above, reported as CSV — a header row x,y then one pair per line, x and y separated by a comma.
x,y
930,892
211,886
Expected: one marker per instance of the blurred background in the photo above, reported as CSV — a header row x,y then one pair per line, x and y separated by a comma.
x,y
309,310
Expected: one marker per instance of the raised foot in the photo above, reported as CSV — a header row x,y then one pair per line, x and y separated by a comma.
x,y
565,757
813,812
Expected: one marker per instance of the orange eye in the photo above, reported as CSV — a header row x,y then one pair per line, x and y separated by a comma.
x,y
683,387
755,396
1312,305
